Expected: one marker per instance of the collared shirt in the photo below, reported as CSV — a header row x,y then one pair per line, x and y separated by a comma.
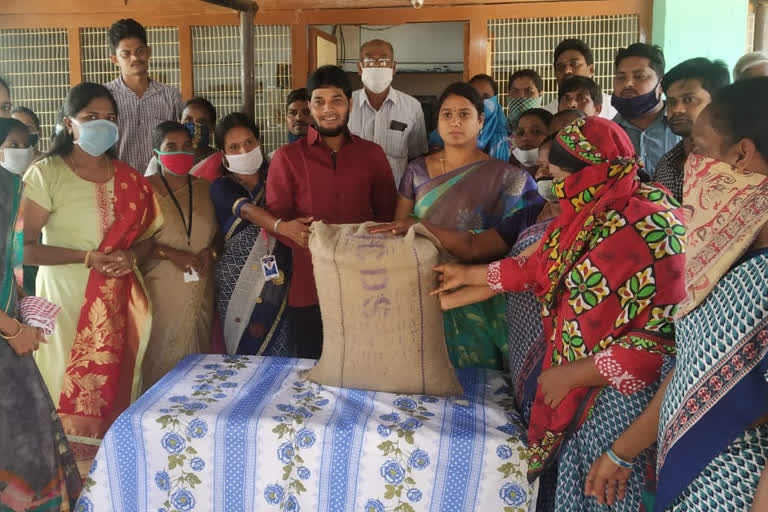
x,y
398,127
137,117
608,112
653,142
670,170
307,179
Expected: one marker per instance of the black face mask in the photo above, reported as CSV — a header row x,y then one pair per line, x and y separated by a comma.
x,y
632,108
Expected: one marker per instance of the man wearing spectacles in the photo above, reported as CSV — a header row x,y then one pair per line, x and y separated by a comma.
x,y
142,103
384,115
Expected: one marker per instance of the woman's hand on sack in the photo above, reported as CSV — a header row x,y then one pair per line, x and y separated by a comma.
x,y
297,230
397,228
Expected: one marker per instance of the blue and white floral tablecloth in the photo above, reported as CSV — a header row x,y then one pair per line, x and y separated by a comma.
x,y
246,433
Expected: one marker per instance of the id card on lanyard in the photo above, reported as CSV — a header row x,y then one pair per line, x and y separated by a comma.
x,y
269,262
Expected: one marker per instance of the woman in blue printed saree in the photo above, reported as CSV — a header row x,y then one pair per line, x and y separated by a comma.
x,y
250,306
710,416
463,188
37,469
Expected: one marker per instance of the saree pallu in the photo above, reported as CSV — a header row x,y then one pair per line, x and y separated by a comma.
x,y
709,456
103,374
475,197
251,308
37,469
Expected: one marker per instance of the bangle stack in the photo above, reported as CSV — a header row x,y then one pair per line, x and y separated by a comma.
x,y
618,460
18,332
87,261
277,223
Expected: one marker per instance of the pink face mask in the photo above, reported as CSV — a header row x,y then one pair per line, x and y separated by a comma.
x,y
178,163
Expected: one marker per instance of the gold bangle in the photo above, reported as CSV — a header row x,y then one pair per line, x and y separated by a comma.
x,y
161,253
214,254
87,259
18,333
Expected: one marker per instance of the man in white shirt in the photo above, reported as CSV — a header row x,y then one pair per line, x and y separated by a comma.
x,y
384,115
573,57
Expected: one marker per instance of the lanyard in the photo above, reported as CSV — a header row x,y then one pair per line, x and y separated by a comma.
x,y
187,227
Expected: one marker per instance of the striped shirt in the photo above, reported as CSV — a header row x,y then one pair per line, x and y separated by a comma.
x,y
398,127
137,117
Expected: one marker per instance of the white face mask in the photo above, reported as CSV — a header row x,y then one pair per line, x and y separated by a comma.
x,y
546,190
17,159
377,80
527,157
245,163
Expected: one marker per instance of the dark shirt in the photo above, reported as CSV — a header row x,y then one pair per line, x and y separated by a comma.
x,y
670,171
225,194
307,179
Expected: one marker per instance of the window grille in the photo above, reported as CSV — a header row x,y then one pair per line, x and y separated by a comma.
x,y
216,68
163,65
530,43
35,62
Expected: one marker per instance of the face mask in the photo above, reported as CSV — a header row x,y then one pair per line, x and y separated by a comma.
x,y
527,157
17,159
632,108
246,164
178,163
200,133
34,138
546,190
517,106
96,137
377,80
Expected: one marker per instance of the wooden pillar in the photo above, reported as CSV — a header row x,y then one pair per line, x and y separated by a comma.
x,y
247,63
478,45
185,62
761,26
299,53
75,56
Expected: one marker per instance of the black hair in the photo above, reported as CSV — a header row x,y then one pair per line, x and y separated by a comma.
x,y
297,95
545,115
651,52
4,83
569,112
464,90
713,75
234,120
560,157
77,99
199,101
329,76
123,29
482,77
577,83
526,73
740,111
161,131
577,45
29,112
7,125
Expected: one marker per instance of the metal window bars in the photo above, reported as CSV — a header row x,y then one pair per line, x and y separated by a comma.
x,y
163,65
216,71
35,63
530,42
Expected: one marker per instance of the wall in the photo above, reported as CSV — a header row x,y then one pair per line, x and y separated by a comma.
x,y
701,28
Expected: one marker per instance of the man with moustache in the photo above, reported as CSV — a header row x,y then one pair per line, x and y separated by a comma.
x,y
142,103
331,176
296,116
689,88
637,96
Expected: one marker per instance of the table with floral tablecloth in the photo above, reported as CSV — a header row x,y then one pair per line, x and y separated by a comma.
x,y
247,433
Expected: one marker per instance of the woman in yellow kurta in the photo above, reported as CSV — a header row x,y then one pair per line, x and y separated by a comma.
x,y
178,275
97,217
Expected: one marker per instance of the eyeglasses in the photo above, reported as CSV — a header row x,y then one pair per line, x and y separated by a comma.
x,y
140,53
376,63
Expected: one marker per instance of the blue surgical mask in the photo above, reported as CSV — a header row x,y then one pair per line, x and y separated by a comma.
x,y
96,137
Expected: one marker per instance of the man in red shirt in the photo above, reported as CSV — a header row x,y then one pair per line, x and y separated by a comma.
x,y
331,176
